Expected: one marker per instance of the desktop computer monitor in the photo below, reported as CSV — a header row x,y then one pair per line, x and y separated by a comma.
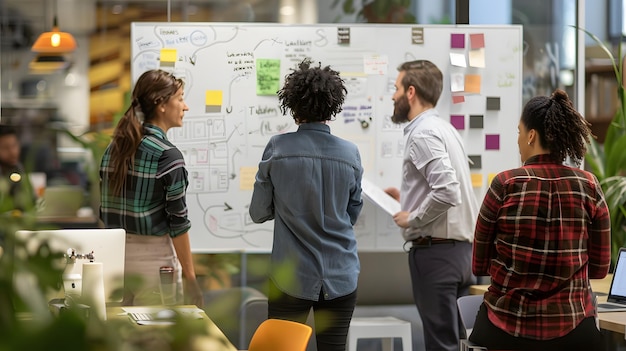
x,y
108,246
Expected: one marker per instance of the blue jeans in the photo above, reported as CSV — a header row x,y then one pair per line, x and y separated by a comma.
x,y
332,317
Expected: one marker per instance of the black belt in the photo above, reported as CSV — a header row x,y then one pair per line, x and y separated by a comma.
x,y
429,241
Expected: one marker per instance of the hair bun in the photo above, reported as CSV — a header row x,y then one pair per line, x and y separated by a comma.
x,y
559,96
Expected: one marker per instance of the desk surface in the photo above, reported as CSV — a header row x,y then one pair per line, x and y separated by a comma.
x,y
612,321
214,340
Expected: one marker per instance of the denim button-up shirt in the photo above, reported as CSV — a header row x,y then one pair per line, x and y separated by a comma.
x,y
309,182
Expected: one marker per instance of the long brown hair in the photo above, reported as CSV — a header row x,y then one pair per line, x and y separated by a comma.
x,y
153,87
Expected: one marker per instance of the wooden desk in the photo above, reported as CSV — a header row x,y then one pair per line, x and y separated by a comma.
x,y
611,321
213,340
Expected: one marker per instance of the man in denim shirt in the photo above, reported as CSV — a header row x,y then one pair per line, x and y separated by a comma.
x,y
309,182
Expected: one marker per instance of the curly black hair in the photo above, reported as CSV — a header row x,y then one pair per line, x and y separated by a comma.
x,y
312,94
562,130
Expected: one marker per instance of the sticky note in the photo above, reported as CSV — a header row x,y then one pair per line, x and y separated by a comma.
x,y
492,142
343,35
472,83
267,76
477,58
457,99
477,180
247,176
458,121
168,57
493,103
477,41
490,177
475,161
457,41
457,59
457,82
417,35
476,122
213,101
375,64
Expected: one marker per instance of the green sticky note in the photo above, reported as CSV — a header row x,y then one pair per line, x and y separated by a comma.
x,y
267,76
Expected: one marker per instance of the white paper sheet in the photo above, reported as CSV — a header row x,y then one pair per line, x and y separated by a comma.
x,y
380,197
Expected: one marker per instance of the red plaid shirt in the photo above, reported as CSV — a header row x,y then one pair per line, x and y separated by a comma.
x,y
542,232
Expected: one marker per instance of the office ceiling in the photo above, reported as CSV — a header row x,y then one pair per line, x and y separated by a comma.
x,y
21,21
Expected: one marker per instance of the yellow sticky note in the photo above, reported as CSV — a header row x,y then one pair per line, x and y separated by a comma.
x,y
246,177
477,180
168,55
213,101
490,177
472,83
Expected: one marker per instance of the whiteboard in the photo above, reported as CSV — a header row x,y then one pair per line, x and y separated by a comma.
x,y
233,70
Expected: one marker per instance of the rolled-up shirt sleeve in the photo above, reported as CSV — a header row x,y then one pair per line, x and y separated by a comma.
x,y
429,156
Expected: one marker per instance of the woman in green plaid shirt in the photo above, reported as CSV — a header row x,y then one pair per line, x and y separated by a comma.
x,y
143,184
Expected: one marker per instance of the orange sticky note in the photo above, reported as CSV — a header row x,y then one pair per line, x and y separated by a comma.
x,y
477,180
472,83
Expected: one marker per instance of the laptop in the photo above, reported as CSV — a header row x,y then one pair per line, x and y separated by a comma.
x,y
616,301
161,315
60,201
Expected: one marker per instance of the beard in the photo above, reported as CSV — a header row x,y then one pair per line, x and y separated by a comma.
x,y
401,110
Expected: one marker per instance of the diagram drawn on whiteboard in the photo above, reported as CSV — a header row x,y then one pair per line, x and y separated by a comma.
x,y
232,72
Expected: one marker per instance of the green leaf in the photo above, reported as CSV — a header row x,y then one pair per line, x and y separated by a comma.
x,y
348,7
608,162
616,157
595,159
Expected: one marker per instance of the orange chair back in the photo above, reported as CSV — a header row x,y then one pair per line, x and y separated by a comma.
x,y
280,335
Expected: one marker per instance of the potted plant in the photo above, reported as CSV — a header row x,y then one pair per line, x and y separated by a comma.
x,y
378,11
608,161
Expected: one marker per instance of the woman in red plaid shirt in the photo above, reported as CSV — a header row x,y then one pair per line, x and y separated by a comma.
x,y
543,231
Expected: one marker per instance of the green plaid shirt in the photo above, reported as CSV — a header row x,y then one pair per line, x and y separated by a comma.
x,y
153,199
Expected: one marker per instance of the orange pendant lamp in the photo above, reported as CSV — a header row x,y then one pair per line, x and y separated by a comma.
x,y
54,41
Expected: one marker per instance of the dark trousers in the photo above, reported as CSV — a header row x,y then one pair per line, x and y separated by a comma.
x,y
440,274
332,317
585,336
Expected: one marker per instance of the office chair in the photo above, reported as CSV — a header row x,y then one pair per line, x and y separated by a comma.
x,y
468,309
280,335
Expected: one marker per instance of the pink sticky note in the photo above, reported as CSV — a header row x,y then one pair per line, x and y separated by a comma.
x,y
492,142
457,41
477,41
458,121
457,99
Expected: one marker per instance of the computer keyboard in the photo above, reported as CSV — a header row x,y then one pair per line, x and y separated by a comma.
x,y
141,316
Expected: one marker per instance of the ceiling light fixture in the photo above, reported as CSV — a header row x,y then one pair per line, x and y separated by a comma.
x,y
54,41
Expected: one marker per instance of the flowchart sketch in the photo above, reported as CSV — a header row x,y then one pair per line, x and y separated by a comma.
x,y
233,71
